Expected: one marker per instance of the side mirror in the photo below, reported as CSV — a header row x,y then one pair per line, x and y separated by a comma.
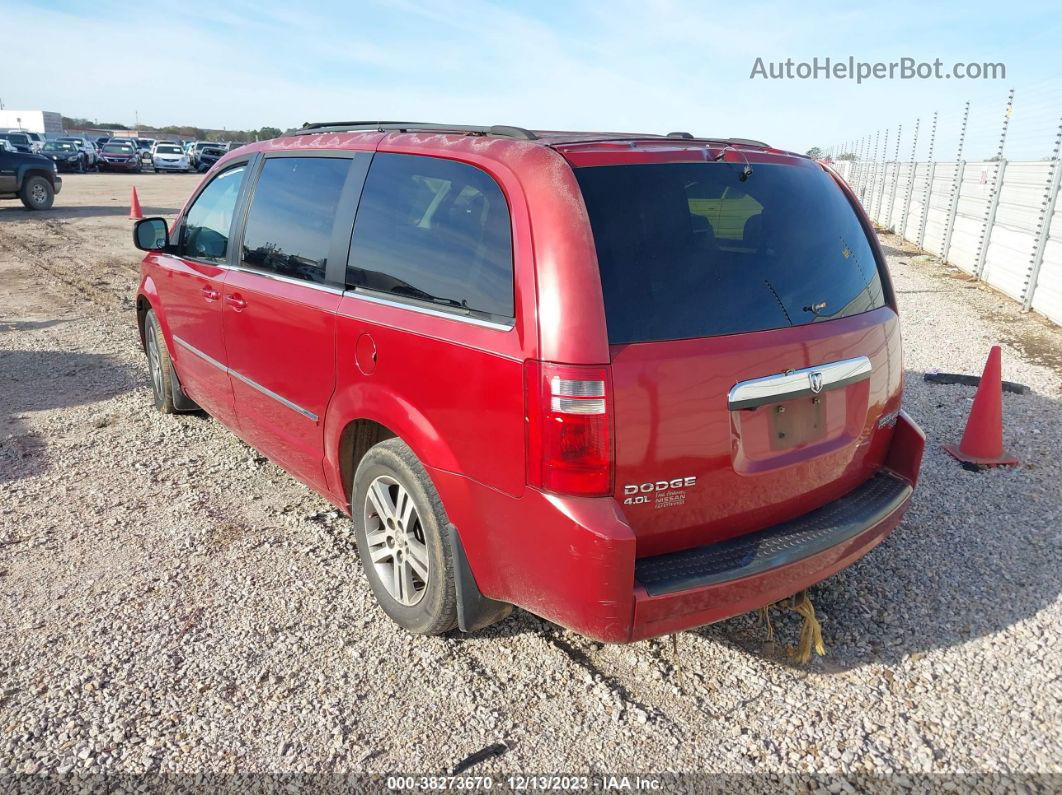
x,y
151,234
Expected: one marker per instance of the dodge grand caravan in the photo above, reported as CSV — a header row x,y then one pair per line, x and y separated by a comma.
x,y
630,383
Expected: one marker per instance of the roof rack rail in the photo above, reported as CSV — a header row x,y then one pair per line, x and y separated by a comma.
x,y
635,139
747,142
501,130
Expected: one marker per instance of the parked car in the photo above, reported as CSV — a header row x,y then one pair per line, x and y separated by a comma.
x,y
36,139
66,155
92,156
102,141
28,177
630,386
19,141
119,155
169,157
144,146
196,148
208,156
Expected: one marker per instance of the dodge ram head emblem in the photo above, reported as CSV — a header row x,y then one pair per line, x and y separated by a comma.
x,y
816,381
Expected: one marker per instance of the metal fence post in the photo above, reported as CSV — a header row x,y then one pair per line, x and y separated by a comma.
x,y
956,187
929,183
884,173
873,175
857,167
895,175
1046,215
997,187
910,182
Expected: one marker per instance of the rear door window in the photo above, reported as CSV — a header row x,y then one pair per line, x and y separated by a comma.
x,y
434,231
289,224
701,249
208,222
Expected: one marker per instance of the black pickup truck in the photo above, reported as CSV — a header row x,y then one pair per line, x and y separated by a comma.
x,y
31,178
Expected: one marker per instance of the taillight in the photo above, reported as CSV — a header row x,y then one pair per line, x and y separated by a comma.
x,y
569,429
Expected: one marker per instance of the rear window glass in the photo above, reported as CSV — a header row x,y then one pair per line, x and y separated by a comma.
x,y
436,231
696,250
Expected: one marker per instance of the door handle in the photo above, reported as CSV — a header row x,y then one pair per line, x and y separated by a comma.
x,y
235,300
211,294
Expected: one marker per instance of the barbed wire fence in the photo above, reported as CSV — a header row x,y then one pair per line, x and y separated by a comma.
x,y
995,216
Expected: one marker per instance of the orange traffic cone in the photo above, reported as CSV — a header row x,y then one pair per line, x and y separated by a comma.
x,y
134,207
982,441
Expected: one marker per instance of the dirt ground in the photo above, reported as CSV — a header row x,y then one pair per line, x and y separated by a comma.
x,y
171,601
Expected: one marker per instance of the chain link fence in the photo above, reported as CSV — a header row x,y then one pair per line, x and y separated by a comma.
x,y
996,218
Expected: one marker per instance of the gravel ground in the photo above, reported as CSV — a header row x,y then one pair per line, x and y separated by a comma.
x,y
171,601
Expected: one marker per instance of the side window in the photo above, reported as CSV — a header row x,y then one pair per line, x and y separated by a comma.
x,y
209,219
436,231
289,225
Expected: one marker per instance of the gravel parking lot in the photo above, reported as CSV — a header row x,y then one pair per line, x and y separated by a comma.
x,y
172,601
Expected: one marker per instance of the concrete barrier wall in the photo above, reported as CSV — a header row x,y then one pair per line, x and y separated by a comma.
x,y
997,220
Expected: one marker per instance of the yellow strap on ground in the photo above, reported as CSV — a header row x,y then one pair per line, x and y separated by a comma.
x,y
810,632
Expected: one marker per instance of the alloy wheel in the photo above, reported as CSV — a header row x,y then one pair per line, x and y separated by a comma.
x,y
154,362
395,537
38,194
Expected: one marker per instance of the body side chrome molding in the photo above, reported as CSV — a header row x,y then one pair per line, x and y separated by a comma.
x,y
473,321
798,383
267,392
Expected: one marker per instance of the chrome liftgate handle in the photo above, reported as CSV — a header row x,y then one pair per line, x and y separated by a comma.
x,y
798,383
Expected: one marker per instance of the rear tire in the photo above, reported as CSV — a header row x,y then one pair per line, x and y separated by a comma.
x,y
159,367
37,194
400,528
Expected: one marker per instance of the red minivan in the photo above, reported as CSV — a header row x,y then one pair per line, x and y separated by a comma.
x,y
631,383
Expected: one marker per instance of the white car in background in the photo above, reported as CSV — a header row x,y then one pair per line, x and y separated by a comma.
x,y
36,139
169,157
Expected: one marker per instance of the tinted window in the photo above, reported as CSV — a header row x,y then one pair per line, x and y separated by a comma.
x,y
126,149
289,226
208,221
436,231
693,250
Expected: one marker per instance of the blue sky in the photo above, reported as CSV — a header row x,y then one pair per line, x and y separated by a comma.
x,y
636,65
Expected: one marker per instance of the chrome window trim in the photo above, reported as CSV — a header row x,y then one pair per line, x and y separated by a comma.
x,y
361,295
254,385
328,288
797,383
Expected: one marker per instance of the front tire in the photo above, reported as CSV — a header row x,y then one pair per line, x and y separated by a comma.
x,y
400,528
159,368
37,194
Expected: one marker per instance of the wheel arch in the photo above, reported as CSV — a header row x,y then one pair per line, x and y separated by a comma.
x,y
355,438
28,170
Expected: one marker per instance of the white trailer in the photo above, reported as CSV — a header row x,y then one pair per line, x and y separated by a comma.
x,y
38,121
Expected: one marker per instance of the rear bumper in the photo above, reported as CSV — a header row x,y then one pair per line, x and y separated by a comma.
x,y
705,584
572,560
